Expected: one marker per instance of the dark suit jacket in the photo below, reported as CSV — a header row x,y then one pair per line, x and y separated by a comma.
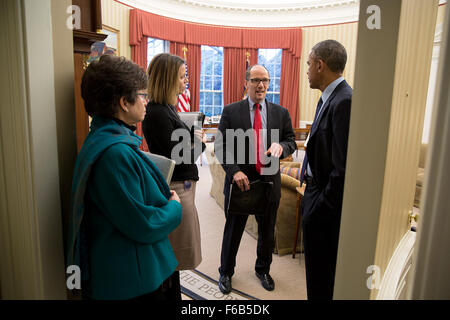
x,y
237,116
159,124
327,151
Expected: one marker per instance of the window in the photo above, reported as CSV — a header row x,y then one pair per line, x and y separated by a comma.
x,y
271,59
211,81
156,46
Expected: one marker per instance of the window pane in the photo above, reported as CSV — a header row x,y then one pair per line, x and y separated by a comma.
x,y
203,68
208,83
218,99
202,98
277,85
272,85
208,98
209,111
202,83
218,68
209,67
278,71
271,59
154,47
218,83
211,78
277,98
261,57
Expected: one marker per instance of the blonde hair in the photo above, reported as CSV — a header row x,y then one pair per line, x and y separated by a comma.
x,y
163,78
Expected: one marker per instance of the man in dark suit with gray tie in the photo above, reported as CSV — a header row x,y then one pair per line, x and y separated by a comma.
x,y
275,138
324,167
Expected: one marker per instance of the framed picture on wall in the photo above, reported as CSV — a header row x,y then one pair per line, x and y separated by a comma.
x,y
112,40
111,45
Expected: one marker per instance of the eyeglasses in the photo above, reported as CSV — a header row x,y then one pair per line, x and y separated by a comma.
x,y
144,96
257,81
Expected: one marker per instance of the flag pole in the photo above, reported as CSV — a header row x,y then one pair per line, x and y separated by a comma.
x,y
247,64
184,52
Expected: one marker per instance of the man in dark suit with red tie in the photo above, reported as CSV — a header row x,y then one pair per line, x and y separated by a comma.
x,y
324,167
275,139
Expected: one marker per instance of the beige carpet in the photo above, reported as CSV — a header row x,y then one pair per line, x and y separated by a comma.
x,y
288,273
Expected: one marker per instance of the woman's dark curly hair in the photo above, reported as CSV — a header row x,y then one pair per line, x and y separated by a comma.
x,y
108,79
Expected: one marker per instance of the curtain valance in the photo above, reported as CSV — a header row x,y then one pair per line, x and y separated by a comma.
x,y
145,24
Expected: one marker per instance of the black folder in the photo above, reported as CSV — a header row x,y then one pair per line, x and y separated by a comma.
x,y
253,201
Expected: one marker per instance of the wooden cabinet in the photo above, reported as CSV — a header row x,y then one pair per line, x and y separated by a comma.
x,y
83,38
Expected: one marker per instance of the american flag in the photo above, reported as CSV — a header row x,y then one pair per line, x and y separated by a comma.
x,y
184,99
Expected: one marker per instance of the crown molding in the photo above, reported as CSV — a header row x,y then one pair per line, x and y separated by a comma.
x,y
275,7
301,14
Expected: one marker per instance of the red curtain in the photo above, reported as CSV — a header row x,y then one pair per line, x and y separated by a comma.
x,y
139,53
193,60
139,56
144,24
282,38
209,35
289,86
234,66
151,25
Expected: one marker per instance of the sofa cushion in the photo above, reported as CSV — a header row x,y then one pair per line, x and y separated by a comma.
x,y
289,158
293,172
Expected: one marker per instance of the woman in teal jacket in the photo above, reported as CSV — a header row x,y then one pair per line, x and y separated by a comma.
x,y
122,208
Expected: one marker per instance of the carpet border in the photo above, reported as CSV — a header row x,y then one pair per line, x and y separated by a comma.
x,y
245,295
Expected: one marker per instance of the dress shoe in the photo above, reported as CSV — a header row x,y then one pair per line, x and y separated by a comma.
x,y
266,281
225,284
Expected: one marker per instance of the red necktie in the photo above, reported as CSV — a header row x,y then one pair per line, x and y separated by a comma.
x,y
257,127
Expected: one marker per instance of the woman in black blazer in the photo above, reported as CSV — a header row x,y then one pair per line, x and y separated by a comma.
x,y
167,79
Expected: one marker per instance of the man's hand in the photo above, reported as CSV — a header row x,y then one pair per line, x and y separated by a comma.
x,y
275,150
242,181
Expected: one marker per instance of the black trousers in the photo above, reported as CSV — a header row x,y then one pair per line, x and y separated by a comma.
x,y
232,235
320,240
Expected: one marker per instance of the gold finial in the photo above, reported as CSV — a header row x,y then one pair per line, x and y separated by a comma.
x,y
184,52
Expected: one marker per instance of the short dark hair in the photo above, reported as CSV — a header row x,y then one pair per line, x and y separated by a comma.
x,y
249,69
107,80
332,53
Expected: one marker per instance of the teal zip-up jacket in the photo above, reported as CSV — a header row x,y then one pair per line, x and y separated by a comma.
x,y
121,216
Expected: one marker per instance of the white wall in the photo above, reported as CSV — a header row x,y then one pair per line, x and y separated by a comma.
x,y
432,84
31,243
